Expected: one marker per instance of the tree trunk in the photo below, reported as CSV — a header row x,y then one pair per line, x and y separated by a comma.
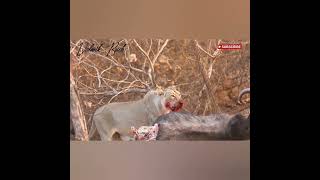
x,y
76,115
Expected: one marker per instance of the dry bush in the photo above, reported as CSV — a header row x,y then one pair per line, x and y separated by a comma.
x,y
146,63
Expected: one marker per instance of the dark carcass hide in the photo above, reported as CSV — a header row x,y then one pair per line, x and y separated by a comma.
x,y
185,126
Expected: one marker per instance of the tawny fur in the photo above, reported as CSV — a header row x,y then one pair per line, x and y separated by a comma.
x,y
114,121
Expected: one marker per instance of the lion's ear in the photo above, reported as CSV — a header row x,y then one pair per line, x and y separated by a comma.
x,y
173,87
159,90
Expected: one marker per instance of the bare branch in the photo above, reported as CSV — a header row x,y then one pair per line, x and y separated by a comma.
x,y
215,54
151,65
150,47
112,93
207,83
160,51
122,91
97,71
143,51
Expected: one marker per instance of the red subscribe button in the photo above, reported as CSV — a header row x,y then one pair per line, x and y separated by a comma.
x,y
230,46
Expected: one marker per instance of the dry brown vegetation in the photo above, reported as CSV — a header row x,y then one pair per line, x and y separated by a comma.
x,y
145,63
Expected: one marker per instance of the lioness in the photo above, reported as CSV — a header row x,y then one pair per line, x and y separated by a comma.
x,y
114,121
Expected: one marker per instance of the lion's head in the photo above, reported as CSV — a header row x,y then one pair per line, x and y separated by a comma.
x,y
173,99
